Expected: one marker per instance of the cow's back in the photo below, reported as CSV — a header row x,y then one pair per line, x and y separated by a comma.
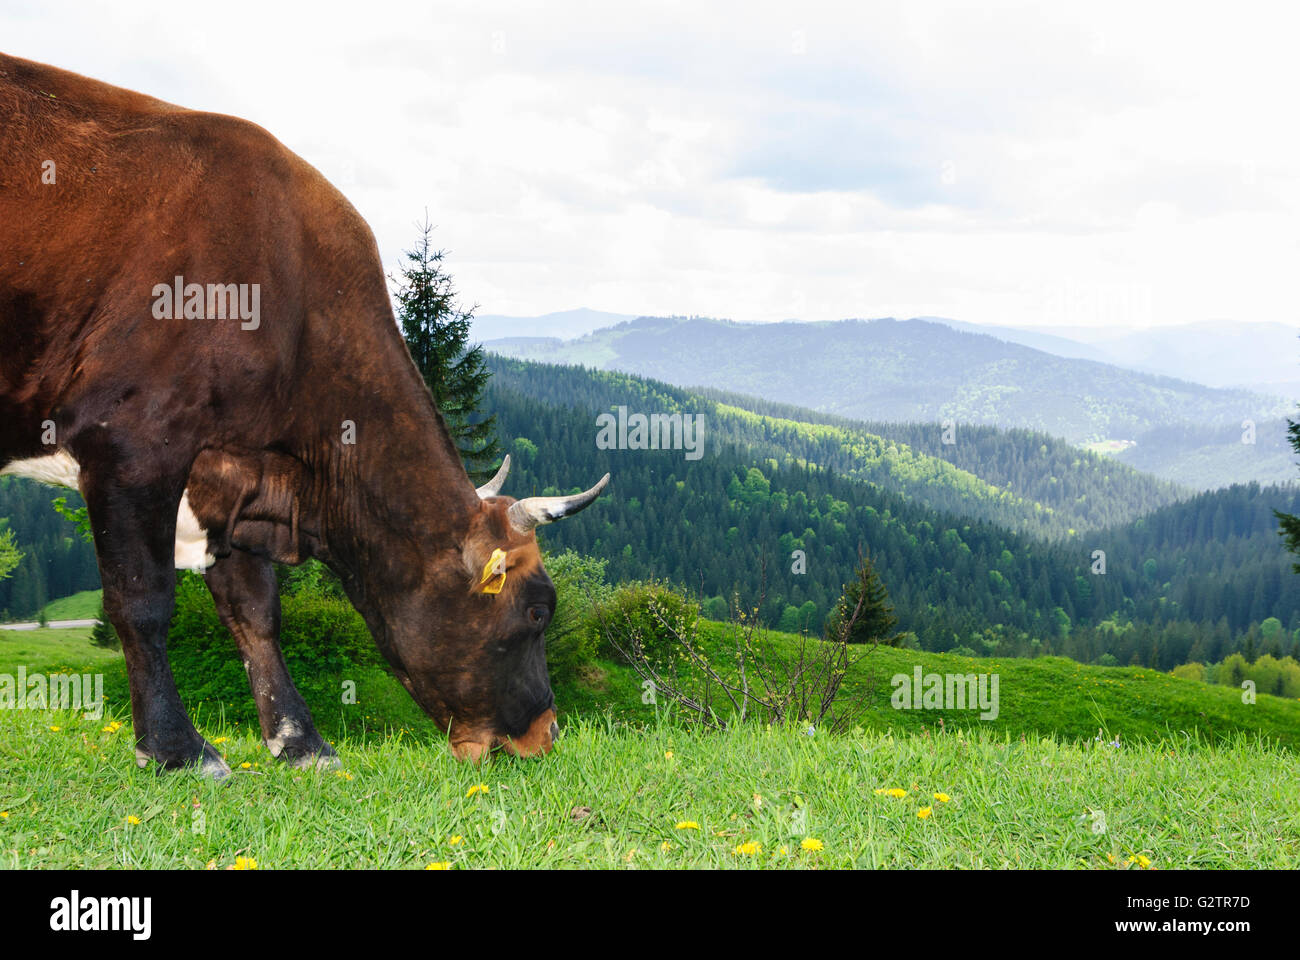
x,y
140,192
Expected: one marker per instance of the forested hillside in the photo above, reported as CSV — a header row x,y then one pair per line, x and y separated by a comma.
x,y
56,560
729,523
1206,457
1019,479
1073,490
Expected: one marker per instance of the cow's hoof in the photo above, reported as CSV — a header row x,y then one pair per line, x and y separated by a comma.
x,y
213,768
208,763
306,753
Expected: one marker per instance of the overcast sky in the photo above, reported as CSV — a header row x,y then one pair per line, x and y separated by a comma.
x,y
997,163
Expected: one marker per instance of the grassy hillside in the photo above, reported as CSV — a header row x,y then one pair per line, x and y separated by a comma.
x,y
79,606
617,796
629,787
1048,696
904,371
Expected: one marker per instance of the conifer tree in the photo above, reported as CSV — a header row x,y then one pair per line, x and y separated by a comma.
x,y
9,553
437,330
865,609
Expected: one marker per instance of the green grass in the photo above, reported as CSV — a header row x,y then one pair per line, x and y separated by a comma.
x,y
1199,780
79,606
397,804
53,650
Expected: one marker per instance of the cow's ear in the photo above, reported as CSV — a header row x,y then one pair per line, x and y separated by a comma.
x,y
492,577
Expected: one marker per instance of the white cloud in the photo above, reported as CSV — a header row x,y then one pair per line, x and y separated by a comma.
x,y
1013,163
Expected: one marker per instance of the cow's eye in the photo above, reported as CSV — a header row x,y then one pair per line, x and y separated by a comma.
x,y
538,615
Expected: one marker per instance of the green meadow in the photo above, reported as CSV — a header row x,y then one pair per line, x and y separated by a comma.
x,y
1198,779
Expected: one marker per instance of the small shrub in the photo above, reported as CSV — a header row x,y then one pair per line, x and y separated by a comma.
x,y
572,639
1190,671
103,634
652,613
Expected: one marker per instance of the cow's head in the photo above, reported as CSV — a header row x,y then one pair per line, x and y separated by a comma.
x,y
481,675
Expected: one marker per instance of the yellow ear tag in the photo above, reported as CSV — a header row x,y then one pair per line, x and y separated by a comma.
x,y
494,571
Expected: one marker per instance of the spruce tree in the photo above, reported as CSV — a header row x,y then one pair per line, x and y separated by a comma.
x,y
9,552
103,634
874,618
437,331
1289,525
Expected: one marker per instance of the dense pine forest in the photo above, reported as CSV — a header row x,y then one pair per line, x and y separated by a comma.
x,y
1208,570
56,560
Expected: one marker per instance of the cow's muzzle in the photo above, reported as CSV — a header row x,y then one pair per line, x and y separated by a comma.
x,y
537,740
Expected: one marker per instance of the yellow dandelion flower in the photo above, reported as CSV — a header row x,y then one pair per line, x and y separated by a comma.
x,y
55,729
133,821
245,863
687,825
440,865
665,846
456,840
219,740
811,843
4,814
245,766
784,851
477,788
942,797
924,812
668,754
891,792
748,849
1111,857
1142,861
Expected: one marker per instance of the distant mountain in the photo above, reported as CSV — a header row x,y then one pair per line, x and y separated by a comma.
x,y
565,324
912,370
1031,337
1216,354
1263,357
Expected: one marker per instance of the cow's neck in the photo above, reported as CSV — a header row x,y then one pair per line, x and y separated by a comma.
x,y
396,497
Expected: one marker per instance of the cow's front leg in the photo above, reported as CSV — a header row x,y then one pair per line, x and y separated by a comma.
x,y
135,540
248,602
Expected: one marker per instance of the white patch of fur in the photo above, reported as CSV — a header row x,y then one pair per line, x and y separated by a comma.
x,y
286,731
61,470
191,539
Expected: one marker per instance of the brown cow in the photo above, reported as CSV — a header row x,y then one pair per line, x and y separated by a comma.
x,y
195,331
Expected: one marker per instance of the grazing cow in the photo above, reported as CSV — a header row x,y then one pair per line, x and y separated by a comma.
x,y
195,332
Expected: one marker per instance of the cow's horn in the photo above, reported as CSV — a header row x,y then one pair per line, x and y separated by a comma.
x,y
533,511
493,486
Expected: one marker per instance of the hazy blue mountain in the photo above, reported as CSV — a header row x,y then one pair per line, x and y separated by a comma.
x,y
1031,337
1263,357
912,370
